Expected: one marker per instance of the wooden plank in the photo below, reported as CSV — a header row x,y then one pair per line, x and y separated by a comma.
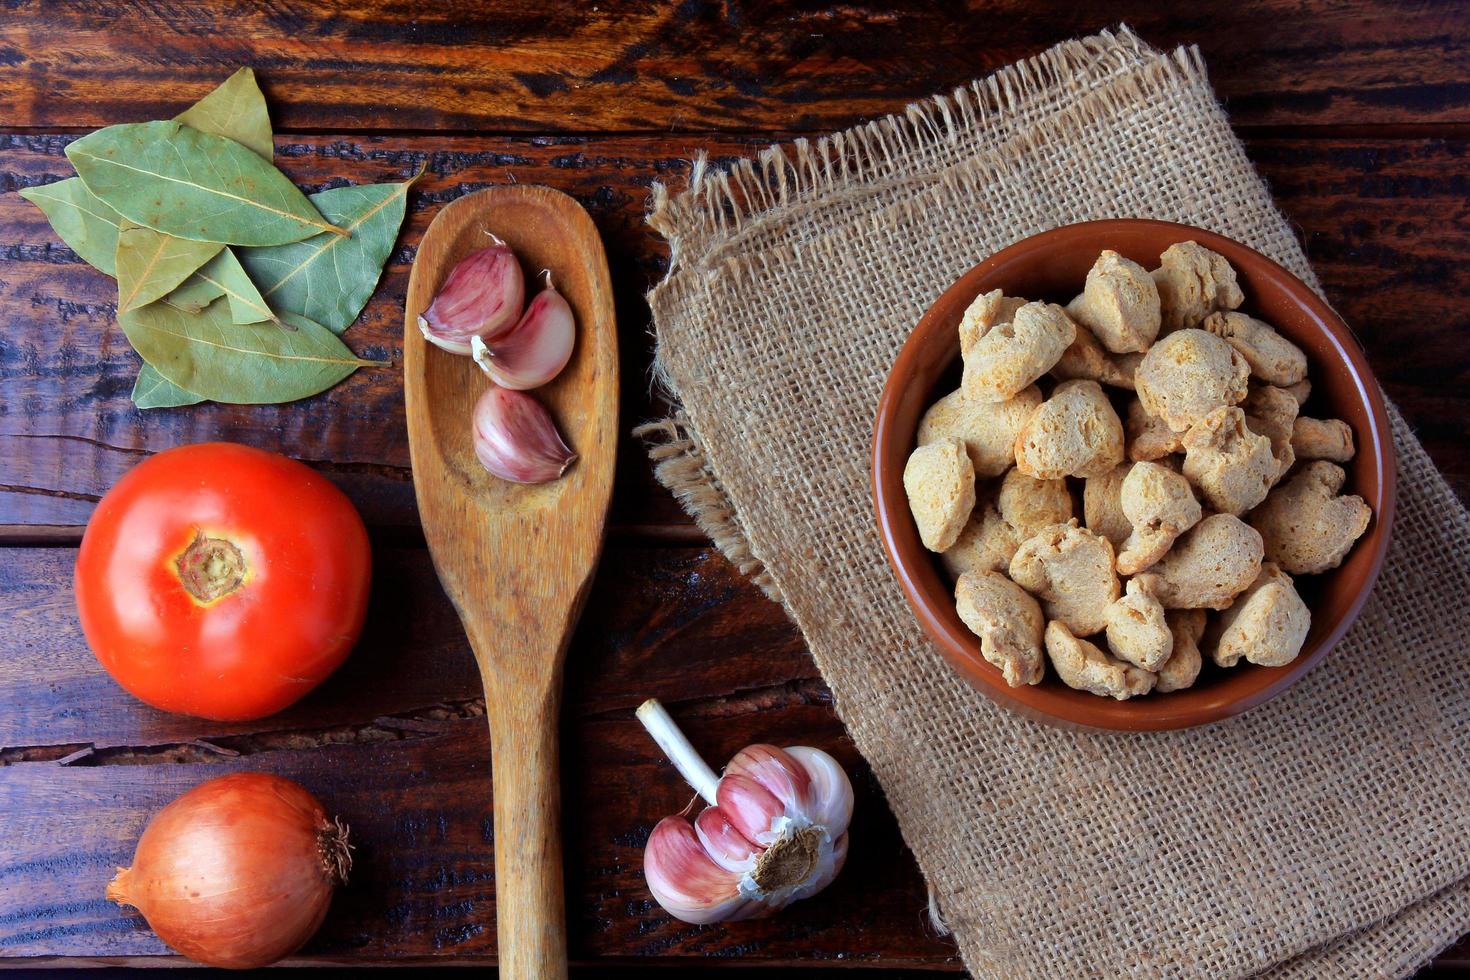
x,y
1383,223
695,65
396,743
70,431
412,665
679,624
1380,218
423,879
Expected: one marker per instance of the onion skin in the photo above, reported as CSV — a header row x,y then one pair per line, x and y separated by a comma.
x,y
238,872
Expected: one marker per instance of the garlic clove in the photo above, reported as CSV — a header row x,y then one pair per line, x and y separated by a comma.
x,y
516,439
482,297
536,349
780,774
726,846
751,807
830,793
685,881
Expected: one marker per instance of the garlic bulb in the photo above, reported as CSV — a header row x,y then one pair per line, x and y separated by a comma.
x,y
481,298
775,829
536,349
516,439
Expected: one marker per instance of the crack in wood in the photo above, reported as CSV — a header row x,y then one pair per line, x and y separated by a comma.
x,y
85,440
798,692
420,723
48,492
417,724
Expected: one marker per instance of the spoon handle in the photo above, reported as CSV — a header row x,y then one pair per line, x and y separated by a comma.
x,y
530,908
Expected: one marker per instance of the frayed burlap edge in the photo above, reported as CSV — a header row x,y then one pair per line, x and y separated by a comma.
x,y
679,463
718,202
853,163
807,182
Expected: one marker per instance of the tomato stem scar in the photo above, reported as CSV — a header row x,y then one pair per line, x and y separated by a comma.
x,y
211,568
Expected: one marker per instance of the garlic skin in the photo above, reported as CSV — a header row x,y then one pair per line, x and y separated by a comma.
x,y
775,830
536,349
516,438
482,297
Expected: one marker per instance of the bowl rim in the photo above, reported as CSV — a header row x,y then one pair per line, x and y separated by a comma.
x,y
890,449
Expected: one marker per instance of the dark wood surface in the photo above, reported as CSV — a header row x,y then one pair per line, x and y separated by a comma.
x,y
1358,115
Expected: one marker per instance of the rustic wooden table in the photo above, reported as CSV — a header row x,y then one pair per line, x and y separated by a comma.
x,y
1359,115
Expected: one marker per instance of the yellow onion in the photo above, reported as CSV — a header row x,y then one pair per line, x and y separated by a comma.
x,y
238,872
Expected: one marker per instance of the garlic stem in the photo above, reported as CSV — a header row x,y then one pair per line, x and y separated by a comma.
x,y
681,753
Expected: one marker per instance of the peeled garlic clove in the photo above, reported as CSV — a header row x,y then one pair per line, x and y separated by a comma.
x,y
516,438
481,298
537,348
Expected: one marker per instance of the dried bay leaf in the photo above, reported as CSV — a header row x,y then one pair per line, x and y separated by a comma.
x,y
195,294
153,390
150,264
241,363
174,179
87,225
156,204
329,278
235,110
224,276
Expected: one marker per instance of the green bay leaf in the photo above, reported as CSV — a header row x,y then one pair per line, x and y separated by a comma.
x,y
87,225
241,363
195,294
327,277
174,179
150,264
223,276
236,110
153,390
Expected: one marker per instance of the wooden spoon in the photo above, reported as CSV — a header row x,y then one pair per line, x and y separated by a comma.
x,y
517,560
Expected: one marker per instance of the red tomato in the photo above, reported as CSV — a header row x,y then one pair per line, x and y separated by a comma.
x,y
222,581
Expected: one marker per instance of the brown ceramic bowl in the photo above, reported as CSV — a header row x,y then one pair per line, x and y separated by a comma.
x,y
1053,266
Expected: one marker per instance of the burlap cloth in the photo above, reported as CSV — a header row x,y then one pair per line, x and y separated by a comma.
x,y
1322,834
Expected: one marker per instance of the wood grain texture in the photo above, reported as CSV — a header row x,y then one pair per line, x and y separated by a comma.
x,y
408,770
69,430
1356,114
693,64
424,884
517,560
1383,222
652,609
